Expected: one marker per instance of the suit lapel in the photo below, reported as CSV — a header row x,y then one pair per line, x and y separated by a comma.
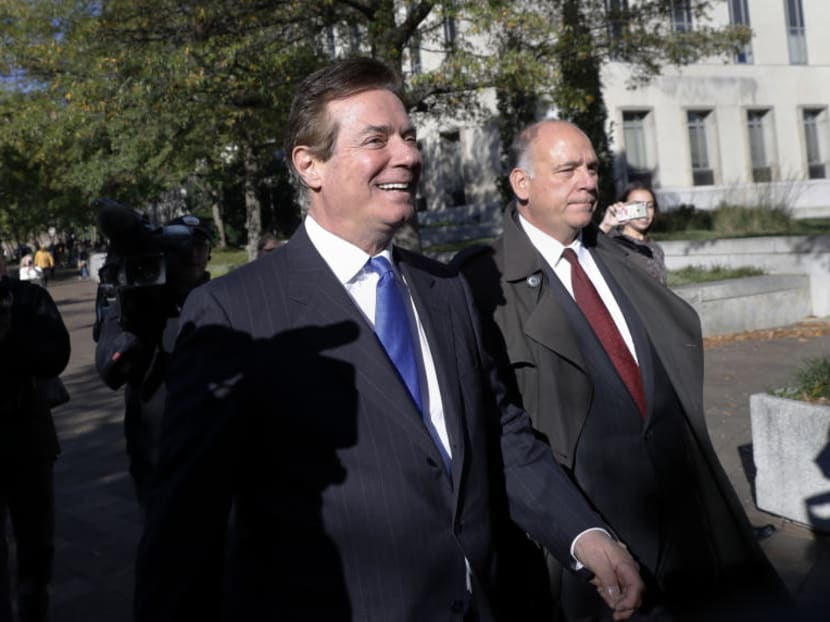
x,y
434,313
616,273
532,280
318,298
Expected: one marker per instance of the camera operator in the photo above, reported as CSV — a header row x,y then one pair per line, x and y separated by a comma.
x,y
136,331
35,345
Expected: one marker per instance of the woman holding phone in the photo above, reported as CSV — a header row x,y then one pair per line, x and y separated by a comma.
x,y
628,221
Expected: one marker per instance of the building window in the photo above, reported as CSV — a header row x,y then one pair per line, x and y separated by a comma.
x,y
815,141
616,11
356,38
759,126
739,14
698,122
331,44
796,38
681,15
414,48
638,137
452,170
415,54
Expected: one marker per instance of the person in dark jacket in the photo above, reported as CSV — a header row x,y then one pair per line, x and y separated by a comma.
x,y
135,336
35,346
609,366
336,445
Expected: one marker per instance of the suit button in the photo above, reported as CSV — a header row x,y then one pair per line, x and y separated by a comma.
x,y
457,606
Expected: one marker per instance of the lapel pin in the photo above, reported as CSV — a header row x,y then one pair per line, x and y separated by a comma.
x,y
534,280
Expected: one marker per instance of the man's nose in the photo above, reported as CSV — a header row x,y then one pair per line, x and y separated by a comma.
x,y
588,178
406,152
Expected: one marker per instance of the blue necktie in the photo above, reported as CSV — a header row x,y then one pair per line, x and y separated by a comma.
x,y
392,326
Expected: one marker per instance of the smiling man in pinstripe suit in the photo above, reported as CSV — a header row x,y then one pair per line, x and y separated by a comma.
x,y
303,477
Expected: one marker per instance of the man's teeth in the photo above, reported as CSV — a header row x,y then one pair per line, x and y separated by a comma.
x,y
393,186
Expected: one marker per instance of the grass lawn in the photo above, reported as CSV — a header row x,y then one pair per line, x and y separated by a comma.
x,y
224,260
699,274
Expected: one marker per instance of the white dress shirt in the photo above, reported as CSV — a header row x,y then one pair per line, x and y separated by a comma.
x,y
551,250
348,262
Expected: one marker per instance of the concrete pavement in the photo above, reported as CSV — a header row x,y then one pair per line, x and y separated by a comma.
x,y
98,523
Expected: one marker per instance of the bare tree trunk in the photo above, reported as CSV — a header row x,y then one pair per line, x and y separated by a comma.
x,y
216,212
253,209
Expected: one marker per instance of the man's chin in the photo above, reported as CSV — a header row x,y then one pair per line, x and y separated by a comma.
x,y
401,212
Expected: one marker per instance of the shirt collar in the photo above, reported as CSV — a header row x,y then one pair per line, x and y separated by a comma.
x,y
344,258
549,247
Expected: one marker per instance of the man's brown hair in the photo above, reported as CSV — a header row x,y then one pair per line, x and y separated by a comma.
x,y
308,124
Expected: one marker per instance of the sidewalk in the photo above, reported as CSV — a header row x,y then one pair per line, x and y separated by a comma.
x,y
98,523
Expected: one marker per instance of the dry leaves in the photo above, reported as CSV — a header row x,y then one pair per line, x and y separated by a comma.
x,y
803,330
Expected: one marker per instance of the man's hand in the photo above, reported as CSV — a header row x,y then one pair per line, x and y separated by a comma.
x,y
616,574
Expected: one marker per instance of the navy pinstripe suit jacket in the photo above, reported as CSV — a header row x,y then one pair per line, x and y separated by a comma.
x,y
297,480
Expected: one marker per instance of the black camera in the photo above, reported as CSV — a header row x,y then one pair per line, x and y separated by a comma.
x,y
138,253
141,259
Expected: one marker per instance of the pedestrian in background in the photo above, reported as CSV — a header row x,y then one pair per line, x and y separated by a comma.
x,y
135,337
267,243
27,271
632,233
45,262
34,346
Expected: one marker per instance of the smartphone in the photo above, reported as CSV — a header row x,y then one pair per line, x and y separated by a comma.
x,y
632,211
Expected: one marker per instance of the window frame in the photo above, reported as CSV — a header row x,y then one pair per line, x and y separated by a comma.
x,y
648,172
816,140
681,9
739,15
760,128
796,32
702,158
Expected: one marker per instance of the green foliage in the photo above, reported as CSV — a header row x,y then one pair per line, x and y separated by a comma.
x,y
578,93
223,261
701,274
812,382
682,218
551,52
688,223
732,219
133,98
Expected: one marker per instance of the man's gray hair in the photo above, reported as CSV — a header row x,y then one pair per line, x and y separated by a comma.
x,y
520,156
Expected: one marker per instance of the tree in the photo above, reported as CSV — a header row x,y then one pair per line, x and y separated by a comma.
x,y
131,98
563,45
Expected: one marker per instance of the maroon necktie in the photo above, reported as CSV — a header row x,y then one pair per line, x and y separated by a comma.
x,y
595,311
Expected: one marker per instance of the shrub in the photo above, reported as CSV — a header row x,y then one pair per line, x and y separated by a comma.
x,y
701,274
736,220
726,220
683,218
812,382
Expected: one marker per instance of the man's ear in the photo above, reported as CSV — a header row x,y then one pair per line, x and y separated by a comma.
x,y
520,182
307,166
